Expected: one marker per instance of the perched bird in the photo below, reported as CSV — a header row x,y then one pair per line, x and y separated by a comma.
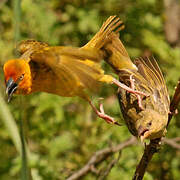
x,y
64,71
146,117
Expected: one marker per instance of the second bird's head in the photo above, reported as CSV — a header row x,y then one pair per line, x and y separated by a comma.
x,y
152,125
17,77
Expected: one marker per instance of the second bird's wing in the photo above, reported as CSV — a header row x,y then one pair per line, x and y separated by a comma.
x,y
148,79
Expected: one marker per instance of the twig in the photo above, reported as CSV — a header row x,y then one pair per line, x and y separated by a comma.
x,y
155,144
110,166
172,142
146,158
103,154
100,156
149,151
174,102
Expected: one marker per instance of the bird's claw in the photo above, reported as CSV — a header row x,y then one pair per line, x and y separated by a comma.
x,y
106,117
102,114
132,90
173,113
137,95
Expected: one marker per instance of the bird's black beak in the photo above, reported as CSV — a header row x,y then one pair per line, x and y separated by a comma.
x,y
11,87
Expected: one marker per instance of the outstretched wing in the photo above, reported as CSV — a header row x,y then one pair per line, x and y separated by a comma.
x,y
27,47
74,74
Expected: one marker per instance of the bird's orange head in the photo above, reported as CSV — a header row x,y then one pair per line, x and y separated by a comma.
x,y
17,77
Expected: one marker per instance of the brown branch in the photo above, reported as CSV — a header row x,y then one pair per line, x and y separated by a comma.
x,y
172,142
149,151
154,145
174,102
110,166
100,156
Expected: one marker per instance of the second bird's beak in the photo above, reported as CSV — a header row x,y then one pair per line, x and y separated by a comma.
x,y
143,133
11,87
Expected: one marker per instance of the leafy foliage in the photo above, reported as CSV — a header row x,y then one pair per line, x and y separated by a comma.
x,y
62,133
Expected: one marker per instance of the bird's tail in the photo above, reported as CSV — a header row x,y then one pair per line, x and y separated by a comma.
x,y
117,55
112,24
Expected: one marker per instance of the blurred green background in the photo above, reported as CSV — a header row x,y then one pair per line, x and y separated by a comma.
x,y
63,133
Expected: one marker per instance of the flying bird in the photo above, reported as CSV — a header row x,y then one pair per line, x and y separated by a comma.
x,y
64,71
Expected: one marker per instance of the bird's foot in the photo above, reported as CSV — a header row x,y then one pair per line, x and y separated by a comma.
x,y
174,113
132,90
102,114
140,102
137,95
129,89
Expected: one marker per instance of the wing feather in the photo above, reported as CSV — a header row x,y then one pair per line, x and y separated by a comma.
x,y
148,79
74,74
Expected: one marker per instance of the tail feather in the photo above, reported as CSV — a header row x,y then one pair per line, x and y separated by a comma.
x,y
113,23
117,55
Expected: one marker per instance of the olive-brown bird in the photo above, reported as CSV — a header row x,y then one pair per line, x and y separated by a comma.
x,y
146,117
65,71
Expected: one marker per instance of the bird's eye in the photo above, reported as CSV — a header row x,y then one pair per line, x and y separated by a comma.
x,y
149,124
21,77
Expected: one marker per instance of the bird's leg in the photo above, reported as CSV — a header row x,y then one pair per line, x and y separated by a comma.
x,y
132,82
130,90
140,102
102,114
174,113
137,95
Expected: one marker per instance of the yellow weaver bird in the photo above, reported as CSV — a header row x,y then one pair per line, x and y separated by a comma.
x,y
64,71
145,117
